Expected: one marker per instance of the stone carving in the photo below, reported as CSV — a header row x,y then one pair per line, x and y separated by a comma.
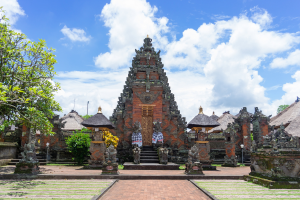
x,y
157,136
137,135
147,97
163,155
136,155
253,146
111,154
193,154
232,161
290,165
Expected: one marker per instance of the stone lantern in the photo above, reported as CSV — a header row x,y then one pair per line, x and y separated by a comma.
x,y
201,124
97,123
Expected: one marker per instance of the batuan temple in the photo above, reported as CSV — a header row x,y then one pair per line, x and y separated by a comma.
x,y
147,98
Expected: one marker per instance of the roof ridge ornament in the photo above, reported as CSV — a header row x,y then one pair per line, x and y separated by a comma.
x,y
201,110
99,109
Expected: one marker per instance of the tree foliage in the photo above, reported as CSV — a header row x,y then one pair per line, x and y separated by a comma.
x,y
26,86
78,145
281,108
86,116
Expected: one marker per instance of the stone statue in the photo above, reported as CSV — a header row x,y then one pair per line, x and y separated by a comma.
x,y
137,135
157,136
163,155
136,155
253,146
193,154
111,154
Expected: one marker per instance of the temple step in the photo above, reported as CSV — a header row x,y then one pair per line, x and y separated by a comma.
x,y
149,160
149,157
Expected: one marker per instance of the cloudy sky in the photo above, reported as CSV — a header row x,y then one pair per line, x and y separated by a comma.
x,y
222,55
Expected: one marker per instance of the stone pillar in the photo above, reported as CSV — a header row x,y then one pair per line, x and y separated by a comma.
x,y
97,149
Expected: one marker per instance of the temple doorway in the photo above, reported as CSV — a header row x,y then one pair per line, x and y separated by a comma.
x,y
147,125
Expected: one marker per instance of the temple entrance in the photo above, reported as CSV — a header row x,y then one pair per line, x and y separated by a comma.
x,y
147,125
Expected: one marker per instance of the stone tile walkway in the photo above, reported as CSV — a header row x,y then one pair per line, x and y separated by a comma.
x,y
154,190
78,170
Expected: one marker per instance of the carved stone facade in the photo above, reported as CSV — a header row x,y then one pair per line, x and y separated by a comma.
x,y
147,97
278,159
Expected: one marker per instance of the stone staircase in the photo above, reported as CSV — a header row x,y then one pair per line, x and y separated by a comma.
x,y
41,158
148,155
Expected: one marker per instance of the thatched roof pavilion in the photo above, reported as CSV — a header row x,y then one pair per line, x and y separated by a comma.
x,y
72,121
224,119
214,117
294,127
202,120
98,121
287,115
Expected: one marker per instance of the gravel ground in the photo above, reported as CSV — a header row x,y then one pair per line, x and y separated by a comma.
x,y
239,189
51,189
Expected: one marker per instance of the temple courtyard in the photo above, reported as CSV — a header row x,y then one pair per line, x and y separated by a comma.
x,y
75,182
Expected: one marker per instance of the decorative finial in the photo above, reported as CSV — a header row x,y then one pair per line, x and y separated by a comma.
x,y
213,112
147,36
200,110
99,109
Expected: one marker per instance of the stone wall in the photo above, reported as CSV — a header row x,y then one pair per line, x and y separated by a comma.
x,y
8,150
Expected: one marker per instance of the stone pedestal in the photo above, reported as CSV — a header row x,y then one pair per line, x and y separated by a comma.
x,y
193,168
110,168
30,168
204,157
230,158
97,158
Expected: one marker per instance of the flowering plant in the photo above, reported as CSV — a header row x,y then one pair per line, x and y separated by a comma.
x,y
110,139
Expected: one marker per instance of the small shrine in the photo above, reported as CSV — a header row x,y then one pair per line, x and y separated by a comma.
x,y
98,124
201,124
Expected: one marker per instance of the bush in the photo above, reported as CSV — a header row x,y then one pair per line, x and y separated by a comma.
x,y
78,145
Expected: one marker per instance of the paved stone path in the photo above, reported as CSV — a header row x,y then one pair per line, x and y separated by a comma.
x,y
154,190
78,170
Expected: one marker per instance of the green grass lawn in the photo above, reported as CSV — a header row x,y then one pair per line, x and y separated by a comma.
x,y
239,189
51,189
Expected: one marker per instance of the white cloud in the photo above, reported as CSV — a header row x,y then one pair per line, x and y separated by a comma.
x,y
129,22
291,92
12,10
75,34
215,66
292,59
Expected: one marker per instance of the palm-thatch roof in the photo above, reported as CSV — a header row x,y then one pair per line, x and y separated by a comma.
x,y
224,119
287,115
98,120
294,127
202,120
73,121
214,117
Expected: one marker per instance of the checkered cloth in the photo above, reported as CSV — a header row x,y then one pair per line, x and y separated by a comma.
x,y
157,137
137,139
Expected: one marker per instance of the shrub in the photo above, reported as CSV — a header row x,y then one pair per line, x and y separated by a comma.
x,y
78,145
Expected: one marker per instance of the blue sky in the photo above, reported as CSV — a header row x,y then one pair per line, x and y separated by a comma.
x,y
222,55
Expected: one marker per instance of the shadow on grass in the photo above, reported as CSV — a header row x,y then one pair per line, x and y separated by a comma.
x,y
7,169
20,184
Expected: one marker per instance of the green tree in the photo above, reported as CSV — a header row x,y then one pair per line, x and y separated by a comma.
x,y
86,116
26,86
281,108
78,145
